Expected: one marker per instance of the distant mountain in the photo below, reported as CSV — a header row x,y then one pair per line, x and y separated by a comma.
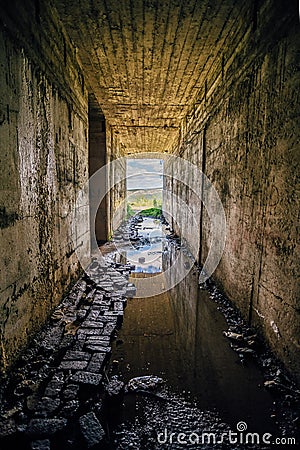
x,y
148,194
145,189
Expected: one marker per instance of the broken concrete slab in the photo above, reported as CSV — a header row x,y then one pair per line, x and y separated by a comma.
x,y
91,429
86,378
84,332
7,428
97,362
98,348
70,408
109,329
131,291
48,405
73,365
147,382
115,387
69,356
118,306
77,355
53,390
45,427
112,319
41,444
100,340
92,324
70,392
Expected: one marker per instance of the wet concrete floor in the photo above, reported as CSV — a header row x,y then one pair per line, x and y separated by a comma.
x,y
178,335
71,388
184,344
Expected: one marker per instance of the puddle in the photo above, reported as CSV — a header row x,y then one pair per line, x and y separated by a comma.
x,y
173,371
178,336
144,245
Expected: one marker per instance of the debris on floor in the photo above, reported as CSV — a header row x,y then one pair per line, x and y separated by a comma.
x,y
58,380
147,382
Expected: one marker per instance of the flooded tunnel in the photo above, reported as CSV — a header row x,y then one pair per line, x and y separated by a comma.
x,y
149,211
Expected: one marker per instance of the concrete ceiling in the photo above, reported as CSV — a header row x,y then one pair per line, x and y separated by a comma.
x,y
147,60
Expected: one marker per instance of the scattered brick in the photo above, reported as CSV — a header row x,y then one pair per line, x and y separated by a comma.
x,y
73,365
97,362
77,355
86,378
91,429
45,427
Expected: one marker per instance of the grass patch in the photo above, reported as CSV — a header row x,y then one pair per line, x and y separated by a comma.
x,y
151,212
129,212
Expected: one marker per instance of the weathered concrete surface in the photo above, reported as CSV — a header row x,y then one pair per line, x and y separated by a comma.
x,y
97,160
243,131
104,149
147,60
44,162
116,176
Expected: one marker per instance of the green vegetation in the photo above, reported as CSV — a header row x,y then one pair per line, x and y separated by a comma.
x,y
145,198
129,212
144,201
150,199
151,212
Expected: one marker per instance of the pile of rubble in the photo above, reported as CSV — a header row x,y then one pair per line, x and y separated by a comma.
x,y
54,393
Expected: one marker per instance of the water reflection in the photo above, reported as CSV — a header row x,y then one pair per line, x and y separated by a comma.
x,y
145,243
178,335
144,247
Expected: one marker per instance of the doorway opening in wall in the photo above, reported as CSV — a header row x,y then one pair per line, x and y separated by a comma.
x,y
97,160
144,187
141,239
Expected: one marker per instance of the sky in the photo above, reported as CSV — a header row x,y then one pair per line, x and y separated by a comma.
x,y
144,174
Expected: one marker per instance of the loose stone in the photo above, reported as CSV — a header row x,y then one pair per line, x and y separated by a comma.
x,y
91,429
98,348
43,444
97,362
86,378
70,392
45,427
77,355
73,365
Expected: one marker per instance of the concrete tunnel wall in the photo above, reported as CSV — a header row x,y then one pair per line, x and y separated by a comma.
x,y
97,159
52,138
44,163
104,149
243,132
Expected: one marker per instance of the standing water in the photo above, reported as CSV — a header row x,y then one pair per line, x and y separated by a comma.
x,y
179,376
178,336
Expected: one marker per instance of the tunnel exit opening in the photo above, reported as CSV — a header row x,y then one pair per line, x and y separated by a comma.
x,y
144,198
144,187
